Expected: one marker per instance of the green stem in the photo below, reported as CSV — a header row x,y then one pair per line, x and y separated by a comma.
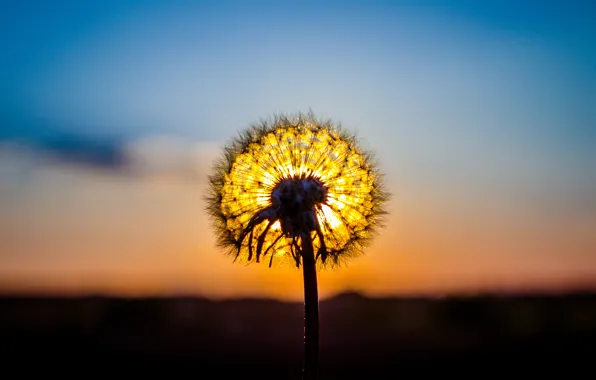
x,y
311,311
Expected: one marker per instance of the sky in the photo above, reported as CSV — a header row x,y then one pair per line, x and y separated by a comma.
x,y
482,116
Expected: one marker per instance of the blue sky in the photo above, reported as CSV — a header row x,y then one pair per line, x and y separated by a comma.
x,y
472,107
433,80
68,62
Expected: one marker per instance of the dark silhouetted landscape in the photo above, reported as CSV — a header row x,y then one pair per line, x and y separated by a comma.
x,y
366,338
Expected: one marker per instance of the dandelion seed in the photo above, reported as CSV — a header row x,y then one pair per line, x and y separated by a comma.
x,y
290,177
292,187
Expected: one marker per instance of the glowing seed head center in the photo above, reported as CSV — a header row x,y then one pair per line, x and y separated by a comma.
x,y
293,178
295,199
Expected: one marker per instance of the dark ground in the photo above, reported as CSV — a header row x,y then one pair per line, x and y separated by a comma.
x,y
363,338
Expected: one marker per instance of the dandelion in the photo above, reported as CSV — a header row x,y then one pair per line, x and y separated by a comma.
x,y
292,186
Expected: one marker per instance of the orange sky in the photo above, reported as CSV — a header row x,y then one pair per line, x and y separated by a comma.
x,y
77,230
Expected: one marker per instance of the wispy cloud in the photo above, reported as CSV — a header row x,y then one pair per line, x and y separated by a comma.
x,y
57,143
148,155
81,150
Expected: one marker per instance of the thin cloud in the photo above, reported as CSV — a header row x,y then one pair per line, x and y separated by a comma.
x,y
149,155
59,144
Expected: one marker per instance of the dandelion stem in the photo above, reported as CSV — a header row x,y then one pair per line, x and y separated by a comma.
x,y
311,310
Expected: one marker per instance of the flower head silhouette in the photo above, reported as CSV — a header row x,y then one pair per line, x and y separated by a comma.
x,y
294,176
290,187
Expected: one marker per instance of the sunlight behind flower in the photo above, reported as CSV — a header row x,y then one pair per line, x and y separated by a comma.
x,y
293,149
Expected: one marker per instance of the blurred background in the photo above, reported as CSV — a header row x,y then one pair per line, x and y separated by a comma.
x,y
482,116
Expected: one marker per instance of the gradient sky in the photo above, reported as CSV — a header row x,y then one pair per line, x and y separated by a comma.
x,y
482,115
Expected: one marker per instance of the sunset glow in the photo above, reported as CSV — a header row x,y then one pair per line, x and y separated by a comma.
x,y
308,159
480,116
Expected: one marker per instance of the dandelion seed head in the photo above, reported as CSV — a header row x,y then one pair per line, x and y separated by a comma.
x,y
291,176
